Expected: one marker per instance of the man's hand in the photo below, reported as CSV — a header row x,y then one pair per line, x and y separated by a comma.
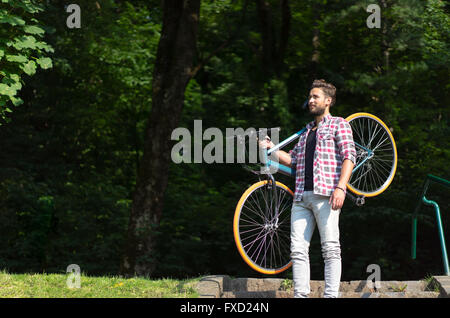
x,y
266,143
283,157
337,199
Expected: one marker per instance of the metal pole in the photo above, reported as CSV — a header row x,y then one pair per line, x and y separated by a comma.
x,y
439,180
414,237
414,219
286,141
441,233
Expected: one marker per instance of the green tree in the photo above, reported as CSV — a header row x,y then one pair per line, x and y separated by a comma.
x,y
70,156
22,49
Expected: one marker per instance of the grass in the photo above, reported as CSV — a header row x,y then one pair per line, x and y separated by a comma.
x,y
431,284
399,288
287,284
55,286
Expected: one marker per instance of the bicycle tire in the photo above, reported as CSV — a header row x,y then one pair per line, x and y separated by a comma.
x,y
377,173
261,221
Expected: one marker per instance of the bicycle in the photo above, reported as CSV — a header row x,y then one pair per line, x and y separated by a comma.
x,y
261,224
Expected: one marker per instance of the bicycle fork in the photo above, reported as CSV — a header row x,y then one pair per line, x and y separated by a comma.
x,y
272,224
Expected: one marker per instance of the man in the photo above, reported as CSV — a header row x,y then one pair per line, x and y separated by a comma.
x,y
323,159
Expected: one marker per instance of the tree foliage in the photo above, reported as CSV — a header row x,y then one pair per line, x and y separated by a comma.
x,y
22,49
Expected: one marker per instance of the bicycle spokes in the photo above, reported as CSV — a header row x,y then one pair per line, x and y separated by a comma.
x,y
376,155
264,227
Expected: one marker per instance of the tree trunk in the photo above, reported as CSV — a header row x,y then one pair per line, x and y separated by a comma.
x,y
315,57
273,50
172,72
385,45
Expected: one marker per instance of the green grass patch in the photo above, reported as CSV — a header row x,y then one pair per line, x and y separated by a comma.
x,y
56,286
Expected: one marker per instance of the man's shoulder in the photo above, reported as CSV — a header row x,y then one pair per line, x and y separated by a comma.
x,y
337,119
338,122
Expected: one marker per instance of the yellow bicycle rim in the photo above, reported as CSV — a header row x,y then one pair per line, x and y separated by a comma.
x,y
386,184
236,230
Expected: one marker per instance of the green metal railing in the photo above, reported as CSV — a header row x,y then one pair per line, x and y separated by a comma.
x,y
423,199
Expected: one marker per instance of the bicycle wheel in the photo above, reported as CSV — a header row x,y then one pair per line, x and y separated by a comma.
x,y
263,241
376,155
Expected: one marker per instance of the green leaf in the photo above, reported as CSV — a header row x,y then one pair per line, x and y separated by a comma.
x,y
17,86
12,19
45,62
16,58
33,29
14,77
44,46
29,6
29,68
7,90
11,79
16,101
25,42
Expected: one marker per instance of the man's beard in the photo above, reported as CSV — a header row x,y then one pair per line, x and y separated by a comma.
x,y
317,111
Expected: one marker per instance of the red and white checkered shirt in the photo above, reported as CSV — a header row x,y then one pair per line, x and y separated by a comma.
x,y
334,144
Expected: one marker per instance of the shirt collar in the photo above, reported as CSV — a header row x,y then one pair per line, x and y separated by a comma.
x,y
325,119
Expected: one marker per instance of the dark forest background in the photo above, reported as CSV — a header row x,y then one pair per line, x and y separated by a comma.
x,y
76,134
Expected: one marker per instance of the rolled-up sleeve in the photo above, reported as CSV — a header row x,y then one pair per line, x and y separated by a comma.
x,y
344,140
293,153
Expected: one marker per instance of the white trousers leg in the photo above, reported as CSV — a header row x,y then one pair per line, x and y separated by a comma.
x,y
305,215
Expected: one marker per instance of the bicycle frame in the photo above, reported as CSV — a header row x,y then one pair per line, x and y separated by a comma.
x,y
291,172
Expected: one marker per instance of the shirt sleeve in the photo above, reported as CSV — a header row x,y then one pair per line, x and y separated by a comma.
x,y
345,143
293,153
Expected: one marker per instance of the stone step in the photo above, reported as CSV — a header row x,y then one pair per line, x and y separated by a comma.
x,y
290,294
271,284
217,286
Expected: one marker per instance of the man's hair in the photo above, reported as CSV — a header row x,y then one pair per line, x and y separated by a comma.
x,y
327,88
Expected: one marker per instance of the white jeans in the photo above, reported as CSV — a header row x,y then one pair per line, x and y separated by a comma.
x,y
315,209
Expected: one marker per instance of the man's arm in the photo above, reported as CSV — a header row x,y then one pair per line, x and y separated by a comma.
x,y
346,172
344,139
283,157
338,196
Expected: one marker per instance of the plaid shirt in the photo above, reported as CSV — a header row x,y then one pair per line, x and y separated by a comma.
x,y
334,144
